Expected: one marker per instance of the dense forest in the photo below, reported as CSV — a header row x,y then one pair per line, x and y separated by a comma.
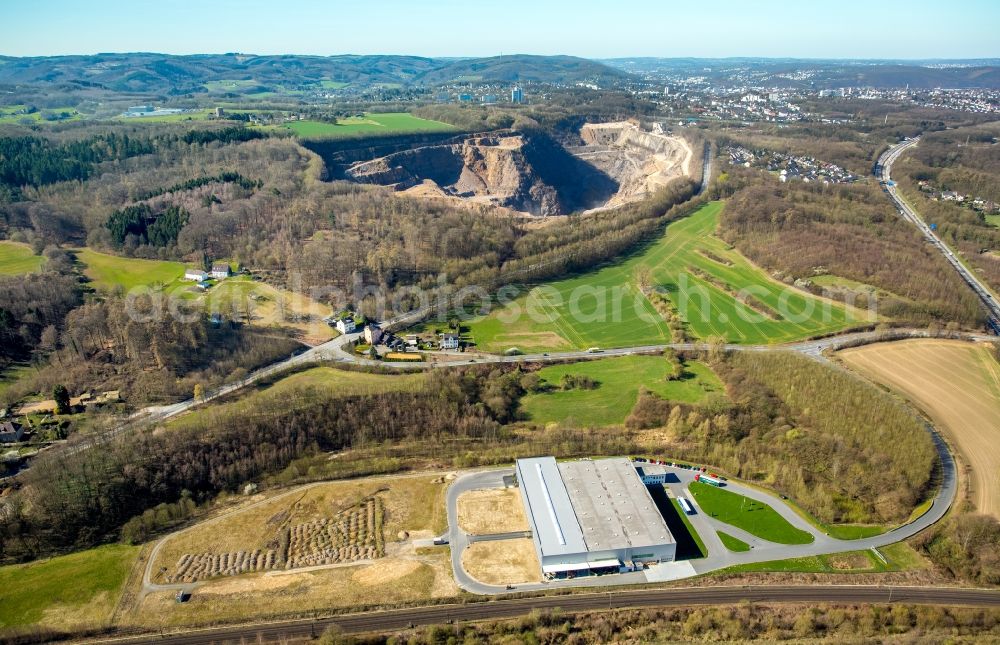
x,y
803,230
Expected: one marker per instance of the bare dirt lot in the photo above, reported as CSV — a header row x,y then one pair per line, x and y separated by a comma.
x,y
957,384
501,562
392,580
496,510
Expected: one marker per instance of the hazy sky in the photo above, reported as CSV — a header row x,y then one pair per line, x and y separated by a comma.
x,y
799,28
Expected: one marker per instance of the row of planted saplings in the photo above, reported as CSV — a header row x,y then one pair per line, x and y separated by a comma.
x,y
355,534
352,535
191,568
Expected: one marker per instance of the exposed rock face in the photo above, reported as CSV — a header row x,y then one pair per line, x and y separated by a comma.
x,y
530,172
525,172
641,162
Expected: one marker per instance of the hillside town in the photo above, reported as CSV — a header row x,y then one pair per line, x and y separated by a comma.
x,y
790,167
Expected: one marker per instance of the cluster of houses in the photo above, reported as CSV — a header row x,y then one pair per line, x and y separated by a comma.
x,y
376,336
790,167
219,271
974,100
14,431
975,203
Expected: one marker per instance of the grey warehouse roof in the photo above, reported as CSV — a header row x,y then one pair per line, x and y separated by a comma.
x,y
589,506
550,511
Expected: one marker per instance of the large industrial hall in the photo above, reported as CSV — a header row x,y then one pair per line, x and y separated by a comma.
x,y
591,516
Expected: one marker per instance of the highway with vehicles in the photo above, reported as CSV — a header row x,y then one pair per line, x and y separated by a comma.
x,y
398,619
883,170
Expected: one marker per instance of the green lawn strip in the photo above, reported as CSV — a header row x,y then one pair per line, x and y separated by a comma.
x,y
619,381
89,580
620,319
920,509
732,543
702,551
846,562
750,515
837,531
17,258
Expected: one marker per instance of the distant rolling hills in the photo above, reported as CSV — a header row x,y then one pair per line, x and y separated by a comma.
x,y
171,75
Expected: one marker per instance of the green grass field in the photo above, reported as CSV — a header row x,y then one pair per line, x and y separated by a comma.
x,y
750,515
370,124
111,271
17,258
733,544
606,308
10,114
619,380
993,220
13,373
192,115
78,589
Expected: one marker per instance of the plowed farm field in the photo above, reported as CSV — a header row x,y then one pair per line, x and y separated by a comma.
x,y
957,385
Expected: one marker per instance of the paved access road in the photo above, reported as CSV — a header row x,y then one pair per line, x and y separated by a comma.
x,y
719,557
383,621
882,170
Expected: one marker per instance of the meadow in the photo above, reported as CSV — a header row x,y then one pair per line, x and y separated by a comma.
x,y
109,272
369,124
189,115
619,381
704,279
12,114
65,592
17,258
232,297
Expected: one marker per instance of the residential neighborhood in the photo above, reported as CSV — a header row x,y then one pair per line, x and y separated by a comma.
x,y
789,167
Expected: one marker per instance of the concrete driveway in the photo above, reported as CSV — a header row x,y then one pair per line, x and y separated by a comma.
x,y
719,557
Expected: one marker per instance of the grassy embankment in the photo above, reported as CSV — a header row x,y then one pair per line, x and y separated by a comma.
x,y
298,389
71,591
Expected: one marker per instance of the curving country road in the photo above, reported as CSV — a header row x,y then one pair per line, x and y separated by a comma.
x,y
398,619
719,557
883,170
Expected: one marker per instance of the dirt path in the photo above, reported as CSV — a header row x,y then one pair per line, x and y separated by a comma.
x,y
956,384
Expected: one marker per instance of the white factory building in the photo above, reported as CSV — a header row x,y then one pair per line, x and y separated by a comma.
x,y
591,515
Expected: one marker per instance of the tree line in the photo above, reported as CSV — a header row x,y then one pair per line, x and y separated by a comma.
x,y
798,231
73,499
843,450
